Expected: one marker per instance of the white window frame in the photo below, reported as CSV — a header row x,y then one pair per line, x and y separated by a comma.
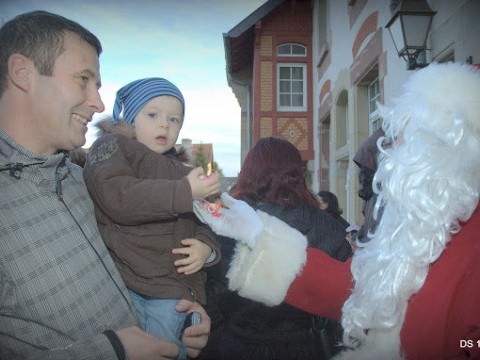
x,y
373,113
291,54
291,108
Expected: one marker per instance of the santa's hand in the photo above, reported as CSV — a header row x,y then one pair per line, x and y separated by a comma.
x,y
235,219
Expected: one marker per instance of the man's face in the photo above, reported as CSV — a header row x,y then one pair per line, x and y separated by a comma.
x,y
65,102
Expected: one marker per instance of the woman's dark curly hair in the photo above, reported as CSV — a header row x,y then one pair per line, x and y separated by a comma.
x,y
273,171
332,201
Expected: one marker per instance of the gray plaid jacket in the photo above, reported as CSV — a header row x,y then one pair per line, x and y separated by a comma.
x,y
59,289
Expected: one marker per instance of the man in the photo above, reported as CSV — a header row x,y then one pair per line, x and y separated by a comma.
x,y
366,159
61,296
415,281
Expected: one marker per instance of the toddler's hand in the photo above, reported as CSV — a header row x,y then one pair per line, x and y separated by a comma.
x,y
202,185
196,253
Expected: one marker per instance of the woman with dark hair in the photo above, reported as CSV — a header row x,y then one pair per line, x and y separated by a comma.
x,y
329,202
273,172
272,180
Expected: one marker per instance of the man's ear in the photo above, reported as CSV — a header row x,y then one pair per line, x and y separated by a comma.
x,y
20,71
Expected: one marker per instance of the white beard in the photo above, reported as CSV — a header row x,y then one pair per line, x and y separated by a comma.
x,y
378,345
429,182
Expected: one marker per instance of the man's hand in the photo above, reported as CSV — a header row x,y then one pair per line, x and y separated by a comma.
x,y
195,337
235,219
142,346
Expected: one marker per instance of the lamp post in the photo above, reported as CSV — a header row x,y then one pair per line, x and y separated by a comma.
x,y
409,28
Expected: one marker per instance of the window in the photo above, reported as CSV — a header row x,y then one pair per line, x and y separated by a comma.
x,y
341,119
291,50
291,79
373,115
291,85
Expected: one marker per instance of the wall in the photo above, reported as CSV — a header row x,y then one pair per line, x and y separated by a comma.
x,y
350,48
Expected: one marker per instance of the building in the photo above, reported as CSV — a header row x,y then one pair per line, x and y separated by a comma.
x,y
269,67
350,64
202,155
197,154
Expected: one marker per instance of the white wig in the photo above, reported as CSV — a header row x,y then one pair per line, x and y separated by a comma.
x,y
429,182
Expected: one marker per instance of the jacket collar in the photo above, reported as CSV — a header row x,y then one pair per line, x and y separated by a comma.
x,y
16,160
105,126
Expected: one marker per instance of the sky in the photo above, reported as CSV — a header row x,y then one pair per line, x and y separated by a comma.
x,y
180,40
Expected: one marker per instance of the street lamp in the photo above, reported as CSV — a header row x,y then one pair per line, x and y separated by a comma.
x,y
409,28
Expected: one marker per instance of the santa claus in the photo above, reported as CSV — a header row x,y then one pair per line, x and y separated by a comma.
x,y
411,291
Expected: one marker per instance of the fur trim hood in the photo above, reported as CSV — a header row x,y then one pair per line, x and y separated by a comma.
x,y
105,127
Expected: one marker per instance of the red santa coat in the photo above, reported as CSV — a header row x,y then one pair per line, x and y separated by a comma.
x,y
442,319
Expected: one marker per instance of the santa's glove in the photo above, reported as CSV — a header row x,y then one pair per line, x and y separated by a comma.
x,y
235,219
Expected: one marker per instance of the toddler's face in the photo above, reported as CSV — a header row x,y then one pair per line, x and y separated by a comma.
x,y
158,124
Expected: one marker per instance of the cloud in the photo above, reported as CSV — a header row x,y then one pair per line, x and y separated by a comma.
x,y
213,116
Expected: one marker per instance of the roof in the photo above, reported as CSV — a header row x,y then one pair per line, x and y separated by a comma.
x,y
238,42
253,18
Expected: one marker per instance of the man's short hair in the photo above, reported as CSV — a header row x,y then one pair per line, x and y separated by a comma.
x,y
38,35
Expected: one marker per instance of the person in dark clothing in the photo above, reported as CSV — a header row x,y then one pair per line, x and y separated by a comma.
x,y
329,203
366,160
272,180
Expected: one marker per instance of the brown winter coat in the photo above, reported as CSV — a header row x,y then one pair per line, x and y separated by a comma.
x,y
143,205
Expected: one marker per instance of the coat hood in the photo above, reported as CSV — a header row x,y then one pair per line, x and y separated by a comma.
x,y
105,127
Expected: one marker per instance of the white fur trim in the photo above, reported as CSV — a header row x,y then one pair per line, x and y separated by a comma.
x,y
265,272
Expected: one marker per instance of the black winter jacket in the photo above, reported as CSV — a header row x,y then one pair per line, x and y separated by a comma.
x,y
244,329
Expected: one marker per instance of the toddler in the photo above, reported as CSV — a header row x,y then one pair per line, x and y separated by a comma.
x,y
143,195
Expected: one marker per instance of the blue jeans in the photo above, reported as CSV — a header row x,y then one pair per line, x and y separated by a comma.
x,y
159,318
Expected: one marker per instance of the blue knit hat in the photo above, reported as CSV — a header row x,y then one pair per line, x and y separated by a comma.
x,y
133,96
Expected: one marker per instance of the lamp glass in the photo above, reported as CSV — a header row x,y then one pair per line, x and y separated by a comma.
x,y
396,31
416,30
